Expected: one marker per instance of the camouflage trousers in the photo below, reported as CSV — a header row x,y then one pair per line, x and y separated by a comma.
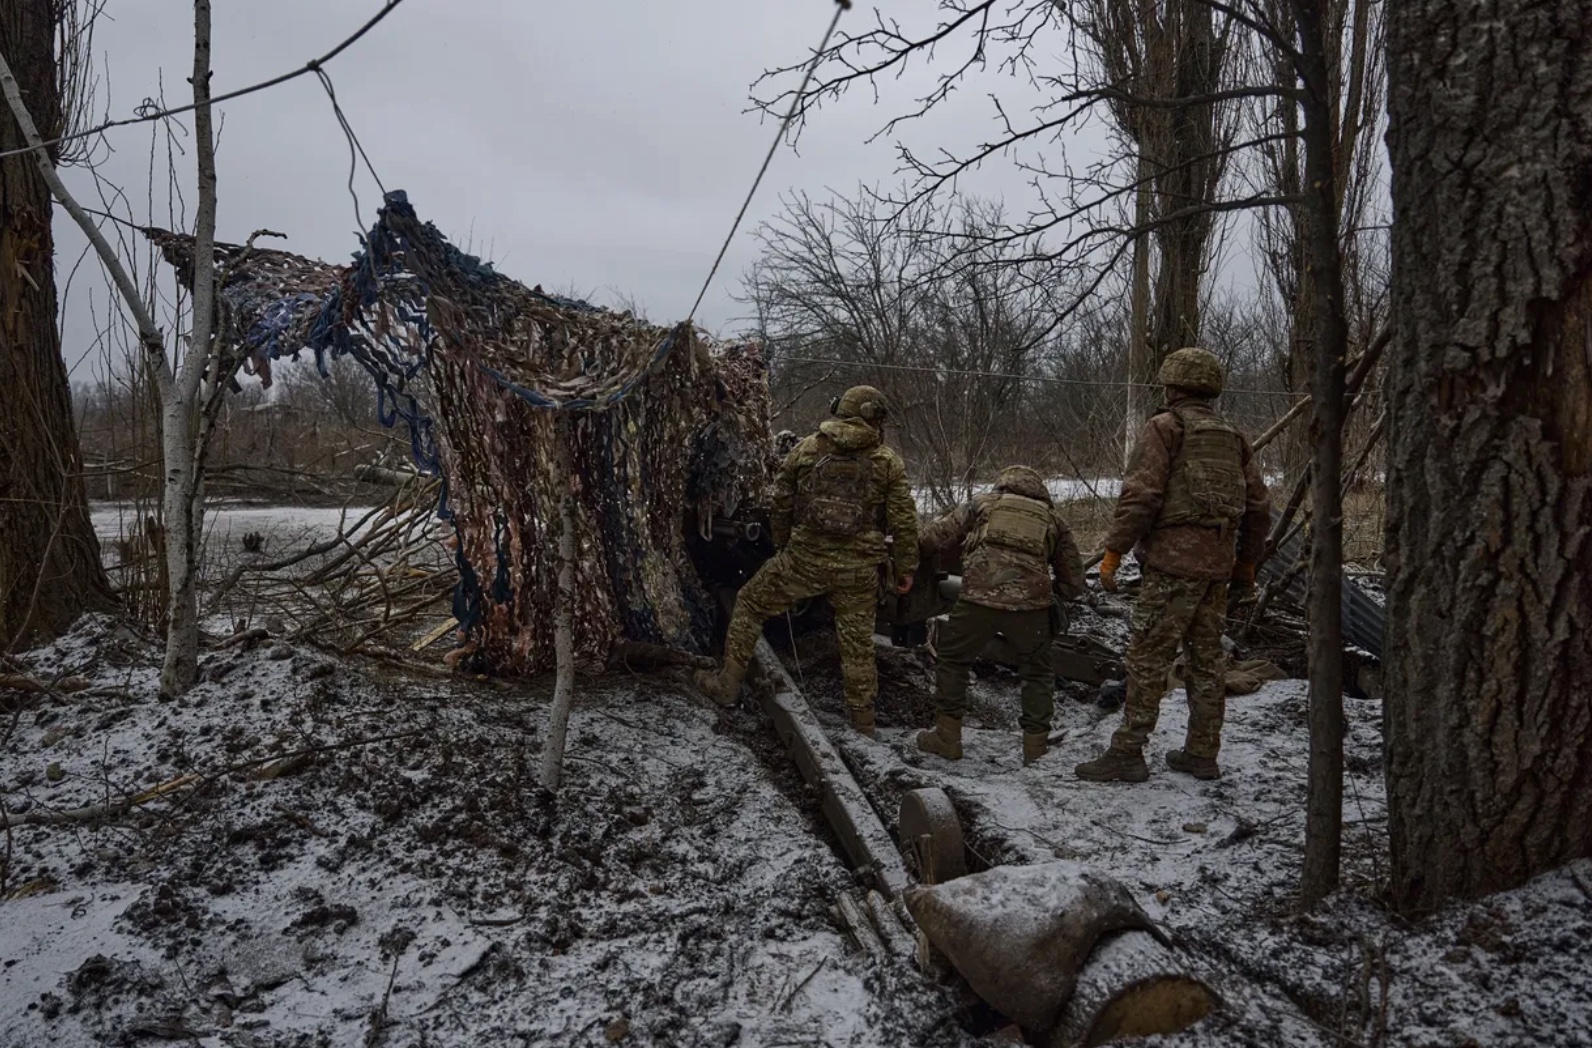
x,y
964,637
1173,611
853,592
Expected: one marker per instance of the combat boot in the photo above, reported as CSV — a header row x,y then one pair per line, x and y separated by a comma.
x,y
1189,764
723,686
944,739
1114,766
862,720
1035,745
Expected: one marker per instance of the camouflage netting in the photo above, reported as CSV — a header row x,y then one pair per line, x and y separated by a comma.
x,y
489,376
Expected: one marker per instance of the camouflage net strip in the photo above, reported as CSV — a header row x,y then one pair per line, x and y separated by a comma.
x,y
490,376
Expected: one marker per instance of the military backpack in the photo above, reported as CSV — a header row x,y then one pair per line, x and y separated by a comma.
x,y
1206,486
837,496
1019,523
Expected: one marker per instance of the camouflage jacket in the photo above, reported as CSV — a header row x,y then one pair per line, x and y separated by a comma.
x,y
999,577
889,500
1187,551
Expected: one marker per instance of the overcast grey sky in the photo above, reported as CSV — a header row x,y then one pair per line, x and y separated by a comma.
x,y
600,145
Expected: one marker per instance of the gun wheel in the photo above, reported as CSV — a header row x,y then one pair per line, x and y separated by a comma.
x,y
932,835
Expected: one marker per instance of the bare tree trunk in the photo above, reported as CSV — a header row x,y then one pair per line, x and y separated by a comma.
x,y
1141,360
563,618
1188,181
50,570
1324,815
183,497
1488,723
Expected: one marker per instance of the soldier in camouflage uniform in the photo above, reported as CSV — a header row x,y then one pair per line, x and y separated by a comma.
x,y
838,494
1019,559
1192,492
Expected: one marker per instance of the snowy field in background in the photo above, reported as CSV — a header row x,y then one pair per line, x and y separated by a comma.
x,y
1061,489
284,528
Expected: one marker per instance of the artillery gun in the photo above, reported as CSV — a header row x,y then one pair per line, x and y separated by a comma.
x,y
729,550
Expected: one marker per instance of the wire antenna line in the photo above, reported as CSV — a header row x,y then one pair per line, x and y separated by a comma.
x,y
145,115
921,369
841,7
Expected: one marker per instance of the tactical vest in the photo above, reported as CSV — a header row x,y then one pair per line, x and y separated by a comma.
x,y
836,496
1019,523
1206,486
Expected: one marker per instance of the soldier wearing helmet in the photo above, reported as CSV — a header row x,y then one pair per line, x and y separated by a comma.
x,y
1018,560
838,494
1194,509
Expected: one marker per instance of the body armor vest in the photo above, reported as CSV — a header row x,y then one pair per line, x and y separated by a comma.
x,y
1019,523
1206,486
836,496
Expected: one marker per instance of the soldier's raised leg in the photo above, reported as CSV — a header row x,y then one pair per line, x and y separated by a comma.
x,y
1207,688
776,586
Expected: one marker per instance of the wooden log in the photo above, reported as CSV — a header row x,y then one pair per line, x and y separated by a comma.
x,y
1131,986
888,923
854,915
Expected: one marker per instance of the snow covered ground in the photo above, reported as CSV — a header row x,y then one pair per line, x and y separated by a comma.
x,y
365,859
1217,864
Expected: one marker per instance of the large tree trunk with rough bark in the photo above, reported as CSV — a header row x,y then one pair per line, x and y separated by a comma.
x,y
1489,680
1323,291
50,571
1187,184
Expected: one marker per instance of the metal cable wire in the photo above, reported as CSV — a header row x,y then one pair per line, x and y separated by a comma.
x,y
356,149
1022,378
146,113
841,7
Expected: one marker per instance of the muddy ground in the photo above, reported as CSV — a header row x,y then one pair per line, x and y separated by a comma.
x,y
362,857
366,859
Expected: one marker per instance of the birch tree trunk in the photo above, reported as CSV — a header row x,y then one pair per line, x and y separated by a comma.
x,y
563,617
178,388
1488,717
183,497
50,570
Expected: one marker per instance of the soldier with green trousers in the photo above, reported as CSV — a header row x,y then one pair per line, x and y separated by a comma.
x,y
838,494
1195,511
1018,559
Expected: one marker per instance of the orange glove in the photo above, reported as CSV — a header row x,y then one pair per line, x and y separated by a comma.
x,y
904,584
1244,574
1108,570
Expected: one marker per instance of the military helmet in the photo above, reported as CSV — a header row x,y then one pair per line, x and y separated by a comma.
x,y
1022,480
1193,369
864,402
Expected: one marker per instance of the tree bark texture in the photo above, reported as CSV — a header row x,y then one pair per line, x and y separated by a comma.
x,y
1142,361
182,496
563,621
50,570
1187,183
1489,685
1324,288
